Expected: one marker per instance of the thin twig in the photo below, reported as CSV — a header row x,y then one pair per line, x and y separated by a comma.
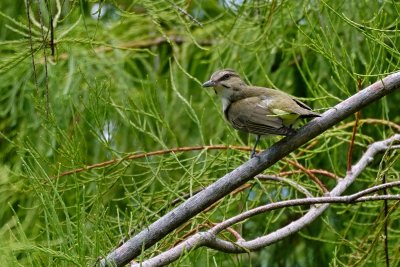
x,y
307,148
185,13
45,61
51,29
28,8
314,171
137,44
262,177
290,182
150,154
310,174
34,21
232,231
390,124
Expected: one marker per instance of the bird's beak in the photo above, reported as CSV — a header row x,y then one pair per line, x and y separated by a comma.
x,y
209,83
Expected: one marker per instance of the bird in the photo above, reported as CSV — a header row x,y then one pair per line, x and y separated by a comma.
x,y
257,110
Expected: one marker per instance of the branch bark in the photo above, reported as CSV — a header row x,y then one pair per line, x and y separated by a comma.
x,y
223,186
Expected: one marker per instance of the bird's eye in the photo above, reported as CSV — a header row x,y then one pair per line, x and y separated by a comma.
x,y
226,76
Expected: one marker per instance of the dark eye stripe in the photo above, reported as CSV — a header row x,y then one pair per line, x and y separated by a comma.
x,y
226,76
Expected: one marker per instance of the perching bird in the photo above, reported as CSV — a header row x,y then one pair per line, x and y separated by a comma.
x,y
257,110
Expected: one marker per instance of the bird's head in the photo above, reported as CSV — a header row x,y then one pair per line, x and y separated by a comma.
x,y
225,82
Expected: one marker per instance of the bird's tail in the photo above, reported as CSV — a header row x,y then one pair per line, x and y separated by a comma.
x,y
310,114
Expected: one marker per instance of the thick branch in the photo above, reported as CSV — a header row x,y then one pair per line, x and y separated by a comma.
x,y
210,239
223,186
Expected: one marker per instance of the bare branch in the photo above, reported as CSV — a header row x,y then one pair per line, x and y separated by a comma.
x,y
223,186
210,239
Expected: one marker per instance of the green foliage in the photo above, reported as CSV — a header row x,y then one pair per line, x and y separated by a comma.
x,y
129,82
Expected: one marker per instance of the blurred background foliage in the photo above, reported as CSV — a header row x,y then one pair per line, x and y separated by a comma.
x,y
117,78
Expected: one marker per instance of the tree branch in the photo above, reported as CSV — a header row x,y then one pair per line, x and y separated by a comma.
x,y
209,238
223,186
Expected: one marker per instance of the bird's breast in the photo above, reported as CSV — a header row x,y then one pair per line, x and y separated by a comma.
x,y
225,103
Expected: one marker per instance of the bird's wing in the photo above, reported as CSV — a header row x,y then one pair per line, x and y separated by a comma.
x,y
301,104
253,115
292,108
305,111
